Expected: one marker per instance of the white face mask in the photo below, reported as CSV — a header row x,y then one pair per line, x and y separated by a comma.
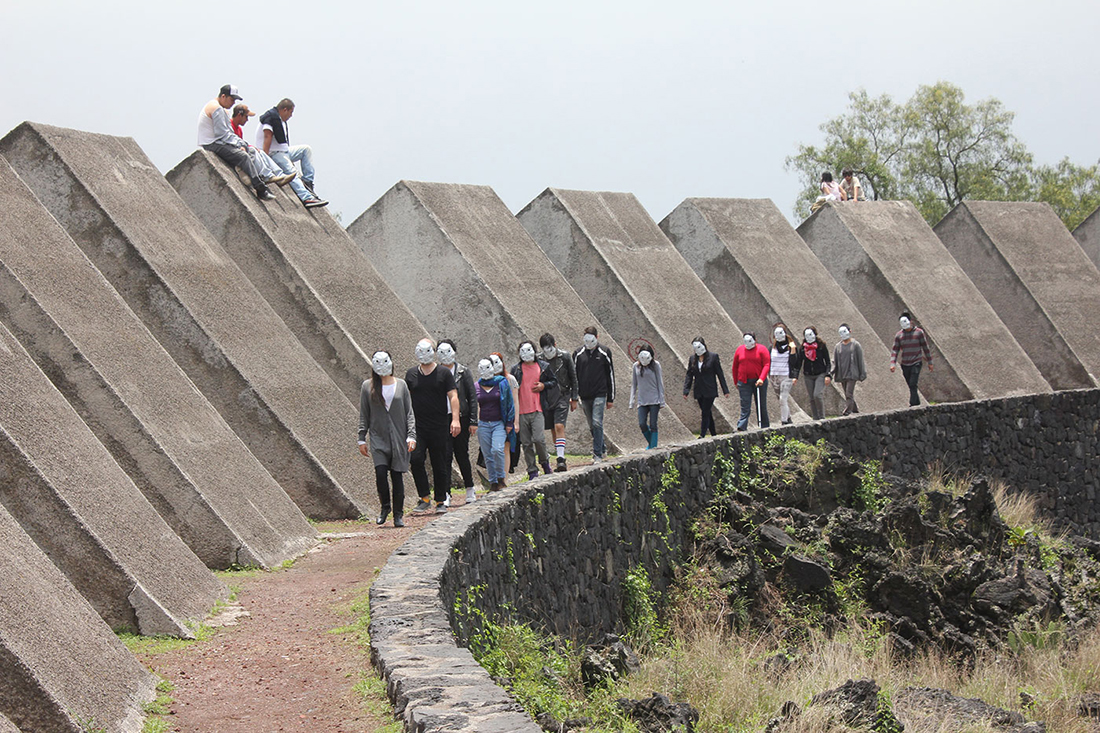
x,y
446,354
498,365
844,333
485,369
589,341
644,357
699,348
905,323
527,353
749,341
780,334
382,364
549,352
810,336
425,354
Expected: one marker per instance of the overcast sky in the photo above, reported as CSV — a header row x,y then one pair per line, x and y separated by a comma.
x,y
663,99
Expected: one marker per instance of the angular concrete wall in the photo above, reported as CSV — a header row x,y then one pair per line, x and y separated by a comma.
x,y
1087,235
187,291
887,259
1038,280
176,448
70,496
760,269
60,665
459,259
612,253
307,267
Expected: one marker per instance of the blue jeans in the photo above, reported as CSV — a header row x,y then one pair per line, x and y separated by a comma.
x,y
593,412
490,436
748,391
286,159
647,421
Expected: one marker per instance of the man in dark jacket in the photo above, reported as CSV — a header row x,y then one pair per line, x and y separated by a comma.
x,y
537,384
467,413
566,372
595,385
273,138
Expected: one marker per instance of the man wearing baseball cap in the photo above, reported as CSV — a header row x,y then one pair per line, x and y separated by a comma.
x,y
216,135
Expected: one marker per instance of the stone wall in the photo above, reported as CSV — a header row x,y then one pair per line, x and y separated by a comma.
x,y
556,551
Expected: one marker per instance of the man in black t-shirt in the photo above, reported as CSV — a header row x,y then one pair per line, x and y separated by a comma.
x,y
431,390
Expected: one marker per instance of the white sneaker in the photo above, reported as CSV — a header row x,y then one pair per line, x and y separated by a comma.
x,y
447,501
597,459
471,496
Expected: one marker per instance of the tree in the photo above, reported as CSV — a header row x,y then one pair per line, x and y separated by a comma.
x,y
936,150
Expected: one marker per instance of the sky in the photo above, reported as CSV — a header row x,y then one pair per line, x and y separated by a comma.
x,y
664,100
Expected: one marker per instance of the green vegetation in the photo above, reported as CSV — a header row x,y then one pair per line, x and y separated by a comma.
x,y
155,722
869,496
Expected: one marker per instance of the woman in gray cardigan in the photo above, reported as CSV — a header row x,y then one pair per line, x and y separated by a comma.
x,y
385,411
647,391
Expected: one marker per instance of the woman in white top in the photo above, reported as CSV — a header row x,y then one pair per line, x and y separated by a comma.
x,y
784,347
385,411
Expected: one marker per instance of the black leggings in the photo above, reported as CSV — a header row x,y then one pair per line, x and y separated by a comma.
x,y
437,446
382,480
462,454
705,404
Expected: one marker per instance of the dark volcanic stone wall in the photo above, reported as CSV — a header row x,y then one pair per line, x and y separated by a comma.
x,y
556,551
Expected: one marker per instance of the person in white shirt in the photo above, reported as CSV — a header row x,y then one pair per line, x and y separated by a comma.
x,y
273,138
216,135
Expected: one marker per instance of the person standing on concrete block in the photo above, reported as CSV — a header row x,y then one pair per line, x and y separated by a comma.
x,y
595,385
496,416
273,138
812,366
386,412
784,352
435,404
647,391
848,367
566,373
705,370
270,172
911,349
538,391
216,135
511,457
751,365
467,414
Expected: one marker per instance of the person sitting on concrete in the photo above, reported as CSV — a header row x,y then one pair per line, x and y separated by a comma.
x,y
830,191
595,385
566,372
848,367
271,173
850,186
647,391
751,364
911,349
538,392
273,138
216,135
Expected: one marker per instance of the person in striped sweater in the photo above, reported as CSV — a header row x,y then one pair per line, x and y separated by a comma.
x,y
911,349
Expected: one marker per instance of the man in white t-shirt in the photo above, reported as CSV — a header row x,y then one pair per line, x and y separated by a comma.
x,y
273,138
216,135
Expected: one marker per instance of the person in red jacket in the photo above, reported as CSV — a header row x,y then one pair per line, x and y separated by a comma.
x,y
751,363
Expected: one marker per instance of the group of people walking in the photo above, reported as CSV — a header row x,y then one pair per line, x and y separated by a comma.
x,y
439,406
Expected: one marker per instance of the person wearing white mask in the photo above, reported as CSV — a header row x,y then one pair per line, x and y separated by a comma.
x,y
386,412
595,385
705,371
496,414
511,455
537,391
784,351
566,372
467,413
910,347
435,404
751,363
812,366
647,391
848,367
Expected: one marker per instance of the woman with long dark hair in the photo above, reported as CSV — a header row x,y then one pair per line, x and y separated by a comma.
x,y
784,353
386,413
705,370
647,391
813,366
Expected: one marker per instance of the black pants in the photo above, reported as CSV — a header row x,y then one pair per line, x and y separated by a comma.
x,y
461,448
705,404
912,375
437,445
382,475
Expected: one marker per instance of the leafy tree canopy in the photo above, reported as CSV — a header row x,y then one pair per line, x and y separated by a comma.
x,y
936,150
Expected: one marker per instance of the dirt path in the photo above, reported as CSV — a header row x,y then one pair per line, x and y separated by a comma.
x,y
280,668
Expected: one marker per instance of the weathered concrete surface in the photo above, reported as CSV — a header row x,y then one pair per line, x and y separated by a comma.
x,y
750,257
468,269
887,259
176,448
180,282
1087,235
306,266
1038,280
6,726
612,253
60,665
71,497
